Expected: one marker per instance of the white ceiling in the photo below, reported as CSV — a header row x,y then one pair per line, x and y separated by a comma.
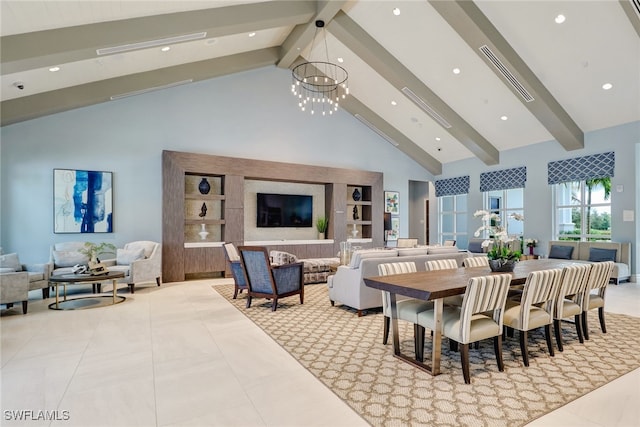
x,y
562,66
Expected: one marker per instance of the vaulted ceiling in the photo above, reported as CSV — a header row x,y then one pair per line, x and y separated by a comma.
x,y
521,78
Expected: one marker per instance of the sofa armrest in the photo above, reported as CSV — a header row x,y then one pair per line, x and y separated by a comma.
x,y
15,287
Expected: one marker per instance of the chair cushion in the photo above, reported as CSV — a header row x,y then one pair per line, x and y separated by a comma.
x,y
69,258
601,255
537,317
282,258
127,256
7,270
10,261
561,252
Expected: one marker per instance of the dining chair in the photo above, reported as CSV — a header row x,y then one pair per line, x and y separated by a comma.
x,y
599,277
573,282
476,261
406,242
265,281
445,264
407,308
535,309
479,317
449,243
235,265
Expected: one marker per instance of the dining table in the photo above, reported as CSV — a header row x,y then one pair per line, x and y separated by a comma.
x,y
439,284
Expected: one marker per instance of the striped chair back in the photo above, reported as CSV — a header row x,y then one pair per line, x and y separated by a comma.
x,y
476,261
573,282
541,289
441,264
483,294
393,268
599,277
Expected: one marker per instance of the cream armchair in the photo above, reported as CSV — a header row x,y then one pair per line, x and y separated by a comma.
x,y
140,261
37,274
14,288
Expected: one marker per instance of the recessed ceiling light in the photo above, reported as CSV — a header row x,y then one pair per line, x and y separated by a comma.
x,y
456,71
54,69
560,19
252,34
396,11
503,118
341,60
437,138
394,103
607,86
166,49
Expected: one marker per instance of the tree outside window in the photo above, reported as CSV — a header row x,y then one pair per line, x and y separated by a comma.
x,y
583,210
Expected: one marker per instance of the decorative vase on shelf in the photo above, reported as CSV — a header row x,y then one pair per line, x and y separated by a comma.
x,y
356,195
355,213
204,187
203,232
320,236
502,265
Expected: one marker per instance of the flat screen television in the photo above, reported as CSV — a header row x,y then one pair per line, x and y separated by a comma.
x,y
284,210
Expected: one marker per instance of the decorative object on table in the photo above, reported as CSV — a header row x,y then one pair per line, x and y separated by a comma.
x,y
79,269
92,250
203,210
501,256
204,187
321,225
97,268
355,213
531,243
203,233
319,85
354,231
345,253
356,195
83,201
392,202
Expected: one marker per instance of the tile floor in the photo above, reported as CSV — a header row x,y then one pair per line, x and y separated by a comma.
x,y
180,355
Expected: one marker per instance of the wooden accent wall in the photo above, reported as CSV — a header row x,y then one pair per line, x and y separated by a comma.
x,y
179,261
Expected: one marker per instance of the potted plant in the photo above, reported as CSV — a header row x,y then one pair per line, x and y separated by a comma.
x,y
92,250
321,225
501,256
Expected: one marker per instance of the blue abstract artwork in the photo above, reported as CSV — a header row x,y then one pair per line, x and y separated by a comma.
x,y
83,201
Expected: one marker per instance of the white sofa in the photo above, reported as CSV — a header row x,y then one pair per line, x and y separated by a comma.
x,y
347,285
582,251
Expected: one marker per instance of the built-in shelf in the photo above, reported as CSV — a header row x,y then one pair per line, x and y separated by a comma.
x,y
288,242
203,244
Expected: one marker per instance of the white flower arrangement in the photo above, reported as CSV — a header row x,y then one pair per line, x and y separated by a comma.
x,y
498,244
531,243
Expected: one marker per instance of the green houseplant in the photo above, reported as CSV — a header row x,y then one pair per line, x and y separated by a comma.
x,y
321,225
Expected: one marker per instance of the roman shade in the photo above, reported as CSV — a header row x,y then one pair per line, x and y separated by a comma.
x,y
452,186
581,168
503,179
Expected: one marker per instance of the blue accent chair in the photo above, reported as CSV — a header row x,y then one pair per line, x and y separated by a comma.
x,y
237,271
265,281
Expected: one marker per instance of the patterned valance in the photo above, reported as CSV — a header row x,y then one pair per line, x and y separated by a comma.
x,y
452,186
503,179
581,168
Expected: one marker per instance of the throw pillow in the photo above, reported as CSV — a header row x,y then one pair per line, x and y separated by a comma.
x,y
601,255
69,258
282,258
146,245
10,261
475,247
127,256
561,252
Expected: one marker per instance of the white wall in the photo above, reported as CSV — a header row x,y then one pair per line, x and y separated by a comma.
x,y
250,115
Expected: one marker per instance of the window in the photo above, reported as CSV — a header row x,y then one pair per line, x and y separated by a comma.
x,y
453,219
583,210
505,203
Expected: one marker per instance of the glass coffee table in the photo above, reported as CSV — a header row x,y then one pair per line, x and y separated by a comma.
x,y
93,301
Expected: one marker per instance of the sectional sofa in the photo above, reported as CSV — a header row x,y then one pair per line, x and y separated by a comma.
x,y
620,253
347,286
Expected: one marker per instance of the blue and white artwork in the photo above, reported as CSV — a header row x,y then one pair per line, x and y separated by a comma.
x,y
83,201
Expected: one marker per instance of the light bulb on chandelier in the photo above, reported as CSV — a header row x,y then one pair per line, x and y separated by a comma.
x,y
322,83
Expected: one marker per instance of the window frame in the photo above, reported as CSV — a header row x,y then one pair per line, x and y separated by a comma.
x,y
456,214
582,206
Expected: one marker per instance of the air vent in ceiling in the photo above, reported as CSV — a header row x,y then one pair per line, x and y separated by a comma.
x,y
376,130
524,93
151,43
426,107
150,89
636,6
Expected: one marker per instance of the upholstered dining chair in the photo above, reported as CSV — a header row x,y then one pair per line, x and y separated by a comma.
x,y
408,308
406,242
444,264
573,282
595,292
470,322
475,261
272,282
449,243
535,308
235,265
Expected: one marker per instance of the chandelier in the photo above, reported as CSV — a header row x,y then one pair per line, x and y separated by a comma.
x,y
319,85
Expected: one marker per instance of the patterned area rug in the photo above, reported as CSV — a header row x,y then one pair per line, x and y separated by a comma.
x,y
346,353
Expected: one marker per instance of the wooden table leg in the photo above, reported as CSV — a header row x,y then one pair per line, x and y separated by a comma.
x,y
394,324
436,350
